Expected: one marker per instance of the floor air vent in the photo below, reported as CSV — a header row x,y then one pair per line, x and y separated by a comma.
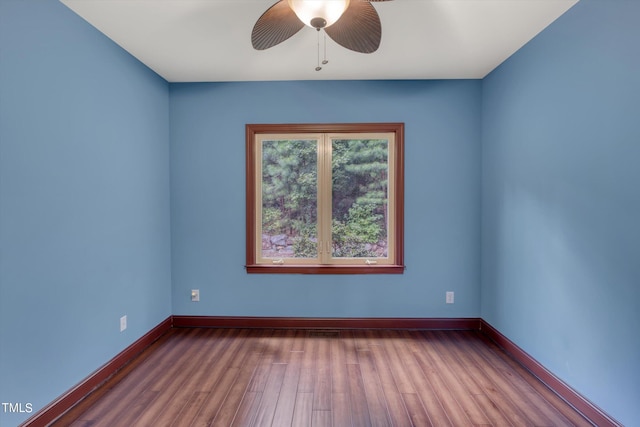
x,y
323,334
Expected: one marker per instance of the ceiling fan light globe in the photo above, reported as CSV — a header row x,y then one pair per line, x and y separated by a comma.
x,y
329,10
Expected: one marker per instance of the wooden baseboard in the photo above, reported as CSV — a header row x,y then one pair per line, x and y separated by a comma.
x,y
69,399
324,323
596,415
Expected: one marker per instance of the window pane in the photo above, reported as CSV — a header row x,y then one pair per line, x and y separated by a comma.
x,y
359,198
289,199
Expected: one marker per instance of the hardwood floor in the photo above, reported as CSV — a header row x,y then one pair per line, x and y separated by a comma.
x,y
277,377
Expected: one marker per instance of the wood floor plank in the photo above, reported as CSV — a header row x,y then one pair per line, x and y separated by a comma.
x,y
190,409
423,387
359,408
449,402
217,380
203,378
458,345
267,377
137,407
287,398
284,340
376,401
197,350
396,409
247,410
321,419
159,364
229,407
151,357
339,377
397,364
506,388
267,407
349,345
165,374
441,348
204,415
523,387
549,395
175,394
322,384
308,373
303,410
452,408
494,413
450,373
290,387
341,409
261,373
417,413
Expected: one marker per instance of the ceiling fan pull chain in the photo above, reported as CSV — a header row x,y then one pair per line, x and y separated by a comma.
x,y
325,61
318,67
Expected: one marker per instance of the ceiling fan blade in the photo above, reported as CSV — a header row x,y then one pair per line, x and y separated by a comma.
x,y
276,25
358,29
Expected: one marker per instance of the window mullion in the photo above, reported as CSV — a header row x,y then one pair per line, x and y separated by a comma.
x,y
324,199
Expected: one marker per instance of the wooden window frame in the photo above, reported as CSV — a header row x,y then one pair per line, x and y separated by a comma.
x,y
252,266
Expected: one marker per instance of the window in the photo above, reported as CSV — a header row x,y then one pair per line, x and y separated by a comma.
x,y
325,198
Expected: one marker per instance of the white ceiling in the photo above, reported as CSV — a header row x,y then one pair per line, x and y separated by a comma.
x,y
210,40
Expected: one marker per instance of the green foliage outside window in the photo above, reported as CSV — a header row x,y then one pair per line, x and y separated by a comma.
x,y
289,186
359,197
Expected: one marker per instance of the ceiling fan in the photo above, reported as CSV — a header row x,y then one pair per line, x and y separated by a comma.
x,y
353,24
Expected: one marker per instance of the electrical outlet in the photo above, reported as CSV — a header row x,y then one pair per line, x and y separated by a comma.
x,y
449,297
123,323
195,295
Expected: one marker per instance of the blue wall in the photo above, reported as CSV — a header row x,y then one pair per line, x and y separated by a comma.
x,y
442,125
561,202
84,209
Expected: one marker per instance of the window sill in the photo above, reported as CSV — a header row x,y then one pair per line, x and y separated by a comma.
x,y
324,269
